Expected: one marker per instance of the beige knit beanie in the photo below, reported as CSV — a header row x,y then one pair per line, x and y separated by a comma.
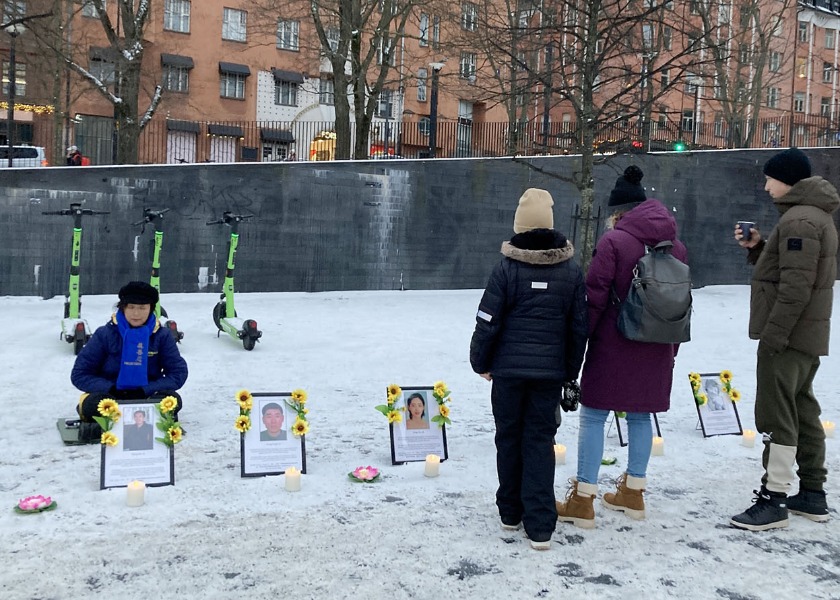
x,y
534,211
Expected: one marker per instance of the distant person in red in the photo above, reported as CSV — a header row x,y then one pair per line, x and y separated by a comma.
x,y
74,157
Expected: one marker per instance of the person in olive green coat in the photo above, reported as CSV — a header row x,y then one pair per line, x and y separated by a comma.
x,y
790,311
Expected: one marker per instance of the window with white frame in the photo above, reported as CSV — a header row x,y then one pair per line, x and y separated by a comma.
x,y
647,35
599,46
13,9
89,9
386,48
332,37
694,7
20,79
803,31
422,81
326,91
176,78
285,93
825,106
775,62
385,104
104,70
288,33
688,120
436,31
666,38
468,62
234,25
720,125
232,85
799,102
773,94
424,29
725,13
176,16
779,29
464,134
665,77
469,16
828,72
690,83
830,35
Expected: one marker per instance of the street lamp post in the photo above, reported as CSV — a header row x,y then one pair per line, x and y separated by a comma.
x,y
14,30
433,112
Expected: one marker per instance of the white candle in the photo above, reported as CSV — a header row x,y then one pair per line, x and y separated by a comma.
x,y
292,480
748,440
829,428
658,448
135,492
432,466
559,454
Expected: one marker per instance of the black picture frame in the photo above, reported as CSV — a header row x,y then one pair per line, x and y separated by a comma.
x,y
260,456
413,445
621,438
719,415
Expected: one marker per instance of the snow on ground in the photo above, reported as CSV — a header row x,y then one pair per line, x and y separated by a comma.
x,y
216,535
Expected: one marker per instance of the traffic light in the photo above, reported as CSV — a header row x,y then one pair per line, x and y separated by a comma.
x,y
679,146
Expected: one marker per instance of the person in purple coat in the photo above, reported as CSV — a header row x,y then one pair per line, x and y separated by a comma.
x,y
620,374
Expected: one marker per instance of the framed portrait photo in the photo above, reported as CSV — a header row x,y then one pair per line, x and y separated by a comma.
x,y
269,447
417,435
137,455
621,427
715,399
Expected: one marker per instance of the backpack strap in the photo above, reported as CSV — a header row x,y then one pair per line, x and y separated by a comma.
x,y
663,246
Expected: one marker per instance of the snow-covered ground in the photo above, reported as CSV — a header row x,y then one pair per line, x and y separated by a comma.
x,y
216,535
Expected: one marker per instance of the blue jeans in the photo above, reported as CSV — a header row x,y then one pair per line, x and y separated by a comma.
x,y
591,443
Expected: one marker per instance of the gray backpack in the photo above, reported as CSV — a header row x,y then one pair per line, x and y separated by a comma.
x,y
658,305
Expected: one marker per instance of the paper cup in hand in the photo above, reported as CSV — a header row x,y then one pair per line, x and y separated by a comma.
x,y
745,229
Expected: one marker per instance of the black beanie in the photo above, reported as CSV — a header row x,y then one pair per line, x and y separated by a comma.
x,y
138,292
789,166
628,189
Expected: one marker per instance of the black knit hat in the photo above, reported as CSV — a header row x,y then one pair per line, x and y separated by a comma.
x,y
138,292
628,191
789,166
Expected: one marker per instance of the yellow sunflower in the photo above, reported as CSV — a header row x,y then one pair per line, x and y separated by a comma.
x,y
107,406
735,395
726,376
242,423
394,416
300,427
443,410
109,439
175,434
702,399
243,396
439,388
168,404
694,376
299,396
695,385
394,390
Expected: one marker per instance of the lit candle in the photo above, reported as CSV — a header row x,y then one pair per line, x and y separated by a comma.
x,y
136,490
658,448
292,480
559,454
432,466
829,428
748,440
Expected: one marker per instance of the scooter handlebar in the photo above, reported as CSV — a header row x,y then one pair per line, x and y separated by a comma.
x,y
69,211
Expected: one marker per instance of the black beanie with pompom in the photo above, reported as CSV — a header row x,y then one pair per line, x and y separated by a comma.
x,y
628,191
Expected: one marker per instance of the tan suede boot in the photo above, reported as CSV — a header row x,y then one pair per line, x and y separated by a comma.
x,y
628,496
578,508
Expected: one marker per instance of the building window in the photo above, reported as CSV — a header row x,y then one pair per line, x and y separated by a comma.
x,y
422,79
287,36
176,16
799,102
775,61
176,79
20,79
690,80
803,31
720,125
103,70
424,29
326,92
234,25
694,7
332,37
385,106
88,8
285,93
424,125
829,38
666,38
469,16
688,120
13,9
801,67
232,85
828,72
467,69
465,122
435,31
725,13
773,94
825,107
779,28
665,78
386,51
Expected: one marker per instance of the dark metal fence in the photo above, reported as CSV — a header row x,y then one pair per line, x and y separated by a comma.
x,y
174,141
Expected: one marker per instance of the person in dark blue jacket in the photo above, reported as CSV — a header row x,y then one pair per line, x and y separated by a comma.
x,y
131,357
529,340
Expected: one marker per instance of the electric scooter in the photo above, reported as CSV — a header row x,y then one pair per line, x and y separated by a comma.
x,y
224,313
74,329
155,217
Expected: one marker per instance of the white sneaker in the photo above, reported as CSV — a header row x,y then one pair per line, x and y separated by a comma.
x,y
546,545
516,527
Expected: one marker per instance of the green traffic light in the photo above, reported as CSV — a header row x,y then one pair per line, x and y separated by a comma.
x,y
679,146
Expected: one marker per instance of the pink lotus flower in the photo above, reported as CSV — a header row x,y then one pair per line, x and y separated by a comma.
x,y
367,473
35,503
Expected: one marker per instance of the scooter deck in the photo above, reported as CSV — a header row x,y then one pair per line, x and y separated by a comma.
x,y
70,434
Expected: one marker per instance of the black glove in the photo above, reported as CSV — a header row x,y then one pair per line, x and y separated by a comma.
x,y
571,396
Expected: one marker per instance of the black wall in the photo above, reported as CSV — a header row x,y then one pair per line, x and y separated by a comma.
x,y
433,224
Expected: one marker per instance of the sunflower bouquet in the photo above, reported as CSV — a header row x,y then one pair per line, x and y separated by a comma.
x,y
167,424
109,415
701,398
390,410
297,402
246,402
441,394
